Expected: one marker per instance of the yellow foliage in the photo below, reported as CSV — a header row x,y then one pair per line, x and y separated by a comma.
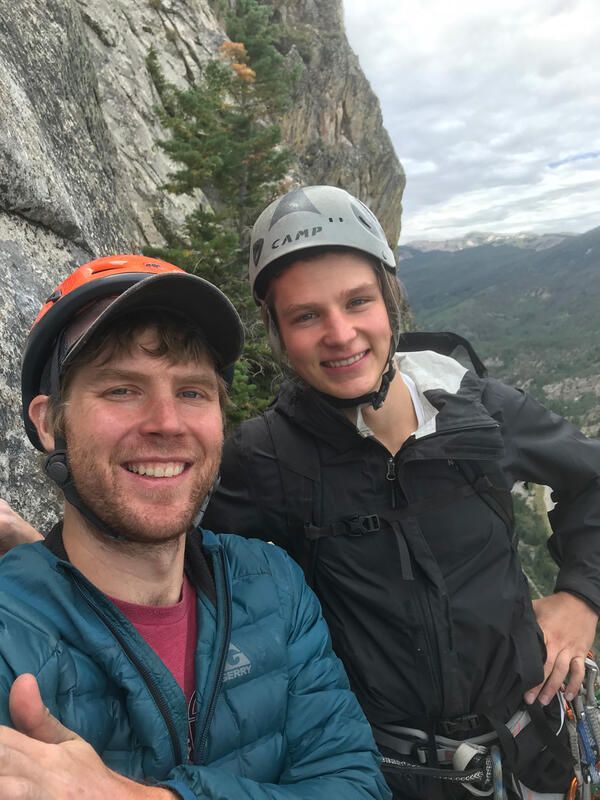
x,y
236,54
244,72
234,50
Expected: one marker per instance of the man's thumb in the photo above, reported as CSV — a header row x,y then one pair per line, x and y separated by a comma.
x,y
30,716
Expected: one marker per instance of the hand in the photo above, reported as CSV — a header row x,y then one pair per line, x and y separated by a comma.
x,y
43,760
569,627
14,530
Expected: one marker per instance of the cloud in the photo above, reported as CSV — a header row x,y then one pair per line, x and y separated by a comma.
x,y
553,203
483,102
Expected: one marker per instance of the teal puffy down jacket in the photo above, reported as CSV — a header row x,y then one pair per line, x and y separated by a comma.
x,y
275,718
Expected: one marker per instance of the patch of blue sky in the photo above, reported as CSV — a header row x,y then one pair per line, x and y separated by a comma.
x,y
575,157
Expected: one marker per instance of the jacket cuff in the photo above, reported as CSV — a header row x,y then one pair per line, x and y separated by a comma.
x,y
180,789
563,586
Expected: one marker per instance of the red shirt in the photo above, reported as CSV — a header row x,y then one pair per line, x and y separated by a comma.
x,y
171,632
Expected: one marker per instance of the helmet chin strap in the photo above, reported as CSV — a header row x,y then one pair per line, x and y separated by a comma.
x,y
375,399
197,523
56,464
56,467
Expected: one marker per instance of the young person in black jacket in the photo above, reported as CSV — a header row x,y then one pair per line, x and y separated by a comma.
x,y
385,468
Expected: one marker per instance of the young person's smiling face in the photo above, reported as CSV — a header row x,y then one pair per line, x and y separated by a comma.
x,y
144,439
333,323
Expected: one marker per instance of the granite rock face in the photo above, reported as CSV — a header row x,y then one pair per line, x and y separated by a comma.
x,y
58,163
33,260
80,172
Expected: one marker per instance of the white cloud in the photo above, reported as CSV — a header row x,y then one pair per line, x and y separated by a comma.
x,y
419,167
480,98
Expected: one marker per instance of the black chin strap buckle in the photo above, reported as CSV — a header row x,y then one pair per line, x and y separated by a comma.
x,y
56,467
378,397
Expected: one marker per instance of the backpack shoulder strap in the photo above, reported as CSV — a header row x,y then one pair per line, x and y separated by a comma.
x,y
447,344
299,468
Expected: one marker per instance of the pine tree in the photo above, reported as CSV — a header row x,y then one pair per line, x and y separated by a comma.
x,y
221,137
225,139
251,22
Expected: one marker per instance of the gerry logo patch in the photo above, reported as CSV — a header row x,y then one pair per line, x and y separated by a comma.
x,y
237,664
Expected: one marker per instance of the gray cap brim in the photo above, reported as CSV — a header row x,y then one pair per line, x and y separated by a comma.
x,y
205,306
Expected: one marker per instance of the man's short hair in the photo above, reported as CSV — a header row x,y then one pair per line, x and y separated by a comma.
x,y
178,340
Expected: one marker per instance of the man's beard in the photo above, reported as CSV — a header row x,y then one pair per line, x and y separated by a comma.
x,y
109,502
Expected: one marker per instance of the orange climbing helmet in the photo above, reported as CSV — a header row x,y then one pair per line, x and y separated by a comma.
x,y
97,293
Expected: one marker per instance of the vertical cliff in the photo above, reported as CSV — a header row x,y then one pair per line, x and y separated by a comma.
x,y
335,124
80,173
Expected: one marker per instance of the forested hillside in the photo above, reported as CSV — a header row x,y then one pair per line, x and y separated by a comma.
x,y
531,314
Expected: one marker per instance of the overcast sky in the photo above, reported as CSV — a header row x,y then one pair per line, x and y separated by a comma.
x,y
493,107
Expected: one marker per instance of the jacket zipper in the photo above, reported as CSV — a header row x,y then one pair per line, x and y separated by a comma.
x,y
431,640
391,475
140,666
432,645
432,651
458,429
223,605
391,469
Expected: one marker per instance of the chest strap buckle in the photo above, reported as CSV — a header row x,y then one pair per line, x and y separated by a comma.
x,y
359,525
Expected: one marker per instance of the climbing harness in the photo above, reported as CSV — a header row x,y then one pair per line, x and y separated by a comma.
x,y
476,763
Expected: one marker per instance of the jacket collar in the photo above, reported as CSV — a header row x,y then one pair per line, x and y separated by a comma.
x,y
308,409
197,566
457,423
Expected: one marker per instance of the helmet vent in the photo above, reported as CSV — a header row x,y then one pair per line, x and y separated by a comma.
x,y
292,203
54,296
257,250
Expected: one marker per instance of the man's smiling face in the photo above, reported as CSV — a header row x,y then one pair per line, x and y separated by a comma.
x,y
144,438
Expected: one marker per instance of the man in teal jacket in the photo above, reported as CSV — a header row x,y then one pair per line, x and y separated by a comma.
x,y
140,660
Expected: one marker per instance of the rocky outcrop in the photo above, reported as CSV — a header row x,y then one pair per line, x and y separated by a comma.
x,y
574,390
335,124
80,172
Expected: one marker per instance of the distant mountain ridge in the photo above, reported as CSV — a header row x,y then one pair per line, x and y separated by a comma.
x,y
530,309
528,240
